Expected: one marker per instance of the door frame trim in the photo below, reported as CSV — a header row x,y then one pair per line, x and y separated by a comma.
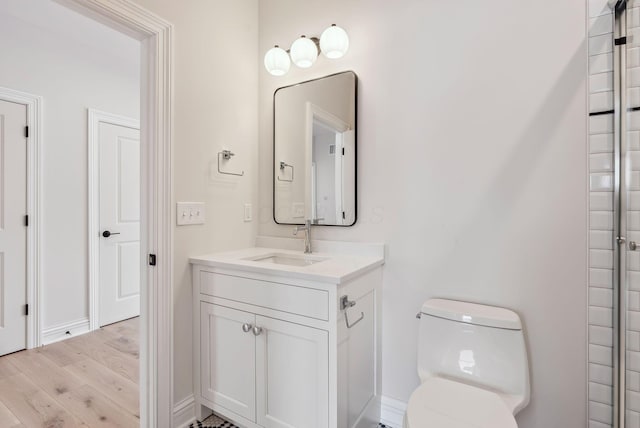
x,y
34,174
94,118
156,187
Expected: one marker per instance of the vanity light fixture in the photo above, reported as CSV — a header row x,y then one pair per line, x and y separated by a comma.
x,y
333,43
277,61
304,52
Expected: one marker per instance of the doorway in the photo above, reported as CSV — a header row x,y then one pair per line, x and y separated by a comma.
x,y
156,237
156,213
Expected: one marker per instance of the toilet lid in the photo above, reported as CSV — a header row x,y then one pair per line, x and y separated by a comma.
x,y
441,403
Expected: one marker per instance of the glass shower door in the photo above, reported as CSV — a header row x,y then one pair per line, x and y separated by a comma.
x,y
627,157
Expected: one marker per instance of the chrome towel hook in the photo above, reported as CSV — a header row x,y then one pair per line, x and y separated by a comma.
x,y
345,304
226,155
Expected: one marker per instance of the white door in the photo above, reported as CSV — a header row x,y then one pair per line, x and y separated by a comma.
x,y
120,264
13,235
292,368
227,358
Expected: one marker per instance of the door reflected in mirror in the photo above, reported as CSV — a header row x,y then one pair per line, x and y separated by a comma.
x,y
315,151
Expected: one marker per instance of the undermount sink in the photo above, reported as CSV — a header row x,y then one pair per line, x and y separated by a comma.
x,y
288,259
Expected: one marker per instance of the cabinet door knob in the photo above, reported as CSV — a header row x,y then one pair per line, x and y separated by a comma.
x,y
257,331
246,328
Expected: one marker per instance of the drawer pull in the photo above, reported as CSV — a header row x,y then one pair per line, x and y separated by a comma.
x,y
246,328
345,304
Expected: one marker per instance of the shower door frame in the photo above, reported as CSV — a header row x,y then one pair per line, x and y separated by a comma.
x,y
620,205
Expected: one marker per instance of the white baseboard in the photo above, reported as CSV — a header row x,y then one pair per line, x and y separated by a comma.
x,y
64,331
392,412
184,412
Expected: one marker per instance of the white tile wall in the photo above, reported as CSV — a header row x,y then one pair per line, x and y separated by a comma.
x,y
600,412
601,63
601,201
600,216
601,278
599,8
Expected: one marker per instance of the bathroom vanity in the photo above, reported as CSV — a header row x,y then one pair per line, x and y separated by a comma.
x,y
285,339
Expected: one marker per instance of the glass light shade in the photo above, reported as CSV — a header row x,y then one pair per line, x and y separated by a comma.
x,y
334,42
277,61
304,52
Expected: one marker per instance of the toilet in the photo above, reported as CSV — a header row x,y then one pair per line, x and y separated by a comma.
x,y
472,363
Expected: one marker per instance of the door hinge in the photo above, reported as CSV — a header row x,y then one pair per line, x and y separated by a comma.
x,y
26,220
152,259
26,309
26,132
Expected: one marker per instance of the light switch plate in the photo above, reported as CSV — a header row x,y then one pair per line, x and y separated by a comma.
x,y
188,213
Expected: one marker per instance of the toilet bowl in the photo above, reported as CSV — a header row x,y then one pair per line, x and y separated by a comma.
x,y
473,367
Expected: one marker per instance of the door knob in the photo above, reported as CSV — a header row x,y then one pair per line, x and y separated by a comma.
x,y
246,328
257,331
107,233
633,245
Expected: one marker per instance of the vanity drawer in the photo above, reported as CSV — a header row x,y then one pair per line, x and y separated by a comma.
x,y
303,301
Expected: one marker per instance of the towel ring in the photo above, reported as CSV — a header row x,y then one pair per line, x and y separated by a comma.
x,y
226,155
345,304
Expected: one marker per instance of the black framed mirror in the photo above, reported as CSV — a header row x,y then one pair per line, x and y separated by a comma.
x,y
314,148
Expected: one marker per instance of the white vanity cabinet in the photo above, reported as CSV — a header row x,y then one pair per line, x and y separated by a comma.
x,y
273,350
254,375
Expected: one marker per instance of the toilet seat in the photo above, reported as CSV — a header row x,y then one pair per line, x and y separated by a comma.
x,y
442,403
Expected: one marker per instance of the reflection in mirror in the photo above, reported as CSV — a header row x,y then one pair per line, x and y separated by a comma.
x,y
315,151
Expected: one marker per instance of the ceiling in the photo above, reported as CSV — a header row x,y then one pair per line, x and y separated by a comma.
x,y
47,16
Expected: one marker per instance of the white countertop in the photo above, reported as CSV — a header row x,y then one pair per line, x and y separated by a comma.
x,y
336,269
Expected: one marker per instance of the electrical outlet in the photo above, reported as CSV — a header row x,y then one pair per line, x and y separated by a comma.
x,y
248,212
188,213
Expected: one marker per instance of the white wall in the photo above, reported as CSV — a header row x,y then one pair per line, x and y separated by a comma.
x,y
472,152
215,87
74,64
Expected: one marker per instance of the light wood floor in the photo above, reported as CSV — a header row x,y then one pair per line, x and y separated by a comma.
x,y
86,381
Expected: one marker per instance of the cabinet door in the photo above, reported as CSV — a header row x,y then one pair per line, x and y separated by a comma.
x,y
292,375
227,359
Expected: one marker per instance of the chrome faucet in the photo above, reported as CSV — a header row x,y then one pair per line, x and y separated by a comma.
x,y
307,235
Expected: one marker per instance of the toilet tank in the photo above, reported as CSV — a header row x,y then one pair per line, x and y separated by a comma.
x,y
480,345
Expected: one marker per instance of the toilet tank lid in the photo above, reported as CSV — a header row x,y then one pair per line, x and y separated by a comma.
x,y
472,313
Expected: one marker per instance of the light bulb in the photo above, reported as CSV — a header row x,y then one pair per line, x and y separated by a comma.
x,y
304,52
277,61
334,42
